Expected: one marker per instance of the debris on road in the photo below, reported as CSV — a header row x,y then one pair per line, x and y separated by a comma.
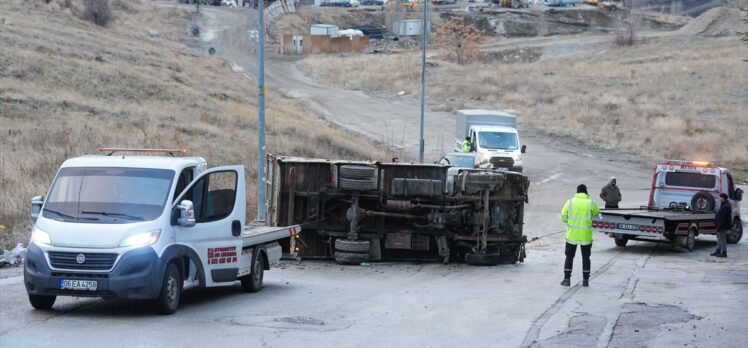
x,y
14,257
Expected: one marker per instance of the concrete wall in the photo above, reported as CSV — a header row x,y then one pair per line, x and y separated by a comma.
x,y
324,44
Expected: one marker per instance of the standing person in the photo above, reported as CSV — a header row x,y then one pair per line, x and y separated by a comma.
x,y
610,194
723,223
466,145
577,215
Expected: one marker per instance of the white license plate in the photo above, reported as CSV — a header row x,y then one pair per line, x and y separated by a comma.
x,y
87,285
628,227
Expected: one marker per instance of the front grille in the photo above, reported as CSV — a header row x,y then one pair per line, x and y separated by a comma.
x,y
80,275
93,261
502,161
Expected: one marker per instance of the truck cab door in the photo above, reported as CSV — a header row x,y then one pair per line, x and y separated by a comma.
x,y
219,202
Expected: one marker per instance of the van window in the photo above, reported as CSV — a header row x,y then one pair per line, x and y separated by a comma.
x,y
730,187
695,180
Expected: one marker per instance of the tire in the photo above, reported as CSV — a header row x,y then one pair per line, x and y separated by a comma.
x,y
352,246
43,303
483,259
686,243
621,242
484,178
736,233
702,201
171,291
350,258
510,254
253,281
358,184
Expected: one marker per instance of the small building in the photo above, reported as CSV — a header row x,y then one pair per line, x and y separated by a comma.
x,y
315,44
408,27
324,30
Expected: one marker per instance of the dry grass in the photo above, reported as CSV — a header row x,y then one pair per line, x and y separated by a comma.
x,y
674,97
68,86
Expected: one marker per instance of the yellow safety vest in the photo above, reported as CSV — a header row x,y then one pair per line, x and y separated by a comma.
x,y
577,215
465,146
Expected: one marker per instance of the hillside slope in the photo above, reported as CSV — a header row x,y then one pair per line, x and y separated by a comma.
x,y
68,86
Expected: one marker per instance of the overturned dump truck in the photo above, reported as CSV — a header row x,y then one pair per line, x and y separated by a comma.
x,y
370,211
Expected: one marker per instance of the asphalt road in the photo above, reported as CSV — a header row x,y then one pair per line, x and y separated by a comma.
x,y
644,295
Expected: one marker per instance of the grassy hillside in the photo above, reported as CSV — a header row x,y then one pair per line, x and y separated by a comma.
x,y
68,86
675,97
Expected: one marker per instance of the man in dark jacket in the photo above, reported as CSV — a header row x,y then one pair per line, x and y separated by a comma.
x,y
611,194
723,224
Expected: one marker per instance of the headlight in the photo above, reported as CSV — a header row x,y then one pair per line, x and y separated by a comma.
x,y
516,157
141,239
39,236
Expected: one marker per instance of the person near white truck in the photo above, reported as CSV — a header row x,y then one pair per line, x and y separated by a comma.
x,y
145,227
493,137
683,200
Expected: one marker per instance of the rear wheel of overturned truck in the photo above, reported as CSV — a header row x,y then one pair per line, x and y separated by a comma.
x,y
351,252
736,233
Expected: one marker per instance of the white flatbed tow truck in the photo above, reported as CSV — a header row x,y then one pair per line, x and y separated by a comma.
x,y
683,199
146,227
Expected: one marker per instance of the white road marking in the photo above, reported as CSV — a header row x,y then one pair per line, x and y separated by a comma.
x,y
552,177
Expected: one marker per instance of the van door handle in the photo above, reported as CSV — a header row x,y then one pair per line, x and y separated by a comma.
x,y
236,228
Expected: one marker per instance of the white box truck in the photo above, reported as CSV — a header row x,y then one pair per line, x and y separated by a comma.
x,y
145,227
493,137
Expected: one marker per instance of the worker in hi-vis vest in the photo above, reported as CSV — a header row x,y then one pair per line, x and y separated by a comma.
x,y
466,145
577,215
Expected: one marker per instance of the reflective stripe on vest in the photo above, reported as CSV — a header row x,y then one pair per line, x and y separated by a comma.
x,y
579,228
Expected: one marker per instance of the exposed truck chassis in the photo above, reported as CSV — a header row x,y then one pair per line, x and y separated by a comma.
x,y
359,211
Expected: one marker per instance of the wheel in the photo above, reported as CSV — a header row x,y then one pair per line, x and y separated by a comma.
x,y
702,201
42,302
691,239
350,258
621,242
357,172
484,178
734,235
171,291
253,281
358,184
510,254
686,243
483,259
352,246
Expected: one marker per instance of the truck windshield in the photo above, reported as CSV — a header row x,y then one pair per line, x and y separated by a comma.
x,y
459,161
497,140
685,179
108,195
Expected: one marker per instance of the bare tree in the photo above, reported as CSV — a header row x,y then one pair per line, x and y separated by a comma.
x,y
460,38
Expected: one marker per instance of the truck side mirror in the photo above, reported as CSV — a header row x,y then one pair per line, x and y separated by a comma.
x,y
738,195
524,148
36,206
186,212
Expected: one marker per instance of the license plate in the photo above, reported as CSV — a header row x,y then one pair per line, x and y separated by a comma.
x,y
628,227
87,285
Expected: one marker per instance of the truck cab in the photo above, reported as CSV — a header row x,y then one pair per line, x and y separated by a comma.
x,y
693,185
144,227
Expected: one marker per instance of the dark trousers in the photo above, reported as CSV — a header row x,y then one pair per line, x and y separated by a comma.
x,y
608,206
571,249
722,241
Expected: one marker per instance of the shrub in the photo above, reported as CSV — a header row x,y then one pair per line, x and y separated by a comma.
x,y
97,12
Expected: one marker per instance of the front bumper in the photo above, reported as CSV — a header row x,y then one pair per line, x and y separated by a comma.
x,y
137,275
